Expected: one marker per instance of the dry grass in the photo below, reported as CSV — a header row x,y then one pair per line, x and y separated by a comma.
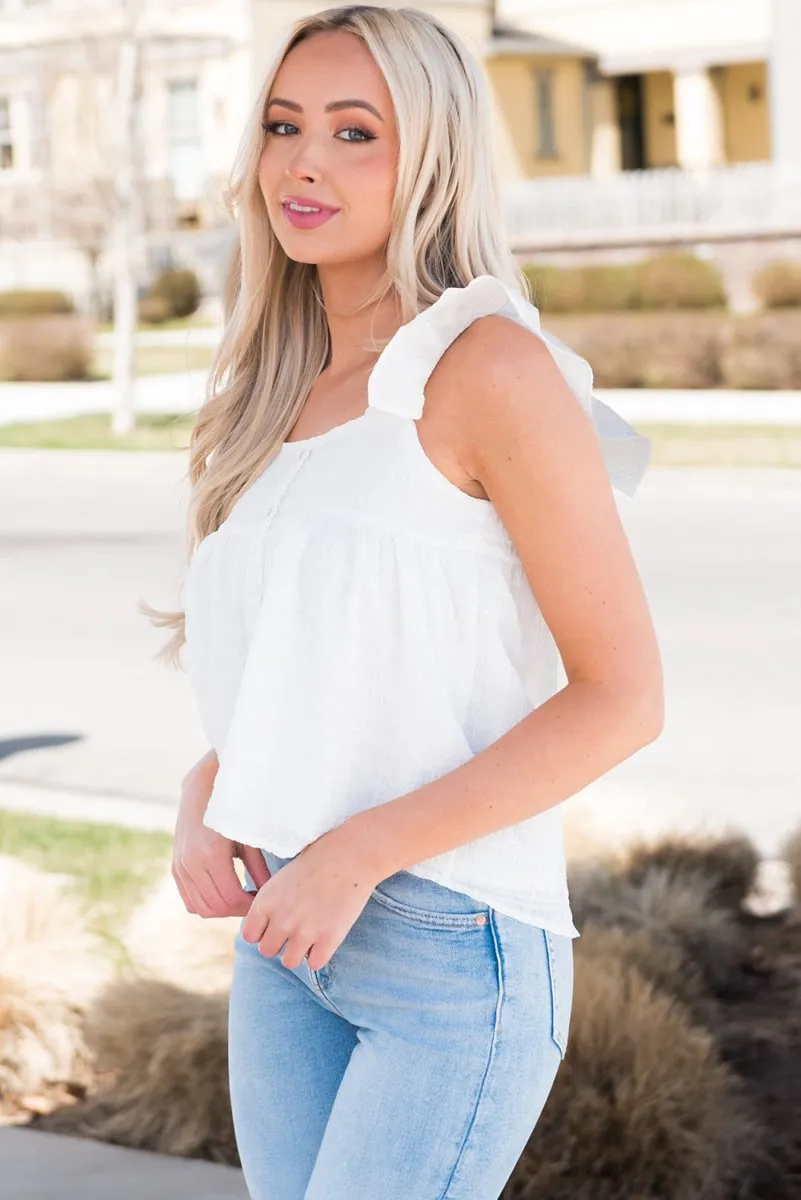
x,y
674,912
686,350
726,865
641,1107
50,967
166,942
163,1052
681,1079
46,348
791,853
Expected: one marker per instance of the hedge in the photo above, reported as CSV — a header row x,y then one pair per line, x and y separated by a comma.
x,y
680,350
22,303
778,284
45,349
663,282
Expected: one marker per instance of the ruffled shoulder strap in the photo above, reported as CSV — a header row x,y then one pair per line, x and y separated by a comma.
x,y
398,379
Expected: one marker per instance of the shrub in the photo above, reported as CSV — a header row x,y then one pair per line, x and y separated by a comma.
x,y
681,354
728,863
666,281
778,284
677,911
677,350
791,852
610,288
583,289
34,303
154,310
763,351
45,349
161,1055
181,290
679,281
642,1105
556,289
646,350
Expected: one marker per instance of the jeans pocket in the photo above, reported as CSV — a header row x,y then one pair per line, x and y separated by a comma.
x,y
391,895
559,954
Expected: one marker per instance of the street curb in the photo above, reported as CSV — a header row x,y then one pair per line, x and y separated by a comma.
x,y
102,808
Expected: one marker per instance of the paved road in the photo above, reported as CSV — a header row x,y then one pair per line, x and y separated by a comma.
x,y
84,709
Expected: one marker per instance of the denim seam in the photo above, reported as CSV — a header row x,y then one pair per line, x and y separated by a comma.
x,y
321,992
316,990
496,942
556,1033
428,920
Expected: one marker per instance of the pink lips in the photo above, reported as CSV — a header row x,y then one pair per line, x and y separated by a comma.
x,y
306,220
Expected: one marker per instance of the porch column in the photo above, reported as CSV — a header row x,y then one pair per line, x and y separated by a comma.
x,y
699,119
605,131
784,81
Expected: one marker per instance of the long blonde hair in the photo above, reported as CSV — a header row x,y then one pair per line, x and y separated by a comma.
x,y
446,229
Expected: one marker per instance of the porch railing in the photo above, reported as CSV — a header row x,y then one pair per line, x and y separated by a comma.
x,y
666,204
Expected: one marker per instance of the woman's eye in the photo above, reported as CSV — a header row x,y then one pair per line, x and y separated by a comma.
x,y
277,127
273,126
364,134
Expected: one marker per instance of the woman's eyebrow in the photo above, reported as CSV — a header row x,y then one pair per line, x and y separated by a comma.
x,y
334,106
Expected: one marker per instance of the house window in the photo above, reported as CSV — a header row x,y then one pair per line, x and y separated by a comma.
x,y
183,135
546,125
6,143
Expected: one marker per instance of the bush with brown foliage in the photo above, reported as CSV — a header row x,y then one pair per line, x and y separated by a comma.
x,y
584,289
641,1107
650,1102
45,349
658,283
679,281
154,310
678,913
39,303
49,969
778,284
179,288
676,350
727,866
762,351
790,851
162,1056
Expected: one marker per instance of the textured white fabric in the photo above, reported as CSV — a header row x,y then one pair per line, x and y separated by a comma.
x,y
359,626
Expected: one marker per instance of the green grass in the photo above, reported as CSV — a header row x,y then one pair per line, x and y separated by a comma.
x,y
112,867
673,445
153,431
156,360
723,445
192,322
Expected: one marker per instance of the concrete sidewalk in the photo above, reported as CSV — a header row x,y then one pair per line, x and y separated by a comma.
x,y
51,1166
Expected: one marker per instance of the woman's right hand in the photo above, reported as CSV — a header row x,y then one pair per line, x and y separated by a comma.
x,y
203,860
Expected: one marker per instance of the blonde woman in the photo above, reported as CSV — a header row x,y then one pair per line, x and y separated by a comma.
x,y
402,515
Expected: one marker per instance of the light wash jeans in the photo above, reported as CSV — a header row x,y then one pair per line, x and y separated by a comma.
x,y
412,1066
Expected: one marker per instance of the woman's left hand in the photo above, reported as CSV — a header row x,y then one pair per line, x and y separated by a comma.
x,y
312,902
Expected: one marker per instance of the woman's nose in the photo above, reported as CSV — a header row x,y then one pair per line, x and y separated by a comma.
x,y
301,167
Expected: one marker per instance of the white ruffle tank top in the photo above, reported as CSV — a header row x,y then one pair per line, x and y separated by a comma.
x,y
359,626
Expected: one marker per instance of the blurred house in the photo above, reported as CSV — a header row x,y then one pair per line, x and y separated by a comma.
x,y
60,126
624,123
619,125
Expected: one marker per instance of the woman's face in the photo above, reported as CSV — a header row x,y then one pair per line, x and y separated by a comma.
x,y
331,142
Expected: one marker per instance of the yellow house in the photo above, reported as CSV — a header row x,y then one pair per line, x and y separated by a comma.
x,y
584,87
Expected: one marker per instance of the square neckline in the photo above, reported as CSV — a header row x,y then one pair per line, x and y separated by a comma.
x,y
415,321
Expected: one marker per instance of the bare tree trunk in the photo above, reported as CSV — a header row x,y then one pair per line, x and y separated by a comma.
x,y
125,235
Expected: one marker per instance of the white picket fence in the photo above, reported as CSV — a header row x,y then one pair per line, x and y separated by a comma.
x,y
738,200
